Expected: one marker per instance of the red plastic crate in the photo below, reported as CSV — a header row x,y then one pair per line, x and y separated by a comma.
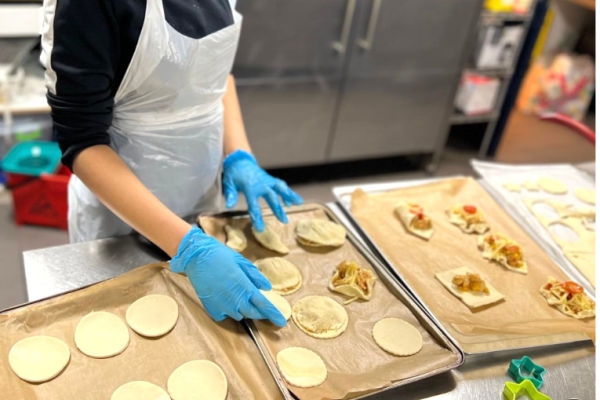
x,y
13,180
43,200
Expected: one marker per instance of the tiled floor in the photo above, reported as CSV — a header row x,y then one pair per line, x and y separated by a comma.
x,y
16,239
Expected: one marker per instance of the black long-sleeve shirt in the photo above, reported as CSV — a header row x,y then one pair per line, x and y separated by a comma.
x,y
87,46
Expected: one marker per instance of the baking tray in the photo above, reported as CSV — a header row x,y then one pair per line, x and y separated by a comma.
x,y
384,277
58,316
343,196
494,175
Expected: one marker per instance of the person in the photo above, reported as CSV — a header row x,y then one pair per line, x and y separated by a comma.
x,y
146,114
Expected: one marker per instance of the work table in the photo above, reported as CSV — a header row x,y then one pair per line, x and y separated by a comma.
x,y
571,368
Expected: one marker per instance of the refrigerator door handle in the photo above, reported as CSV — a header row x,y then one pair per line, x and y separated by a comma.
x,y
367,42
341,45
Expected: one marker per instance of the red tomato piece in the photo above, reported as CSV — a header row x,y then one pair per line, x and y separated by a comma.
x,y
470,209
572,287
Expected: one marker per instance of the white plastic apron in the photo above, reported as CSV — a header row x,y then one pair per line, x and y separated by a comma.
x,y
167,124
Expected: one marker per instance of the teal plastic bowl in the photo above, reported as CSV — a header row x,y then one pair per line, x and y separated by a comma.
x,y
32,158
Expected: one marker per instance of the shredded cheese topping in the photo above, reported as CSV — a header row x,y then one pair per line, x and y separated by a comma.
x,y
569,298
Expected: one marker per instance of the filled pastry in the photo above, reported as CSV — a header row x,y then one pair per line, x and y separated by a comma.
x,y
414,219
468,218
469,287
320,232
506,252
236,239
352,280
269,239
569,298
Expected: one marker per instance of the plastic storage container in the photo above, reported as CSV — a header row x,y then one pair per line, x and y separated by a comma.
x,y
39,184
43,200
24,128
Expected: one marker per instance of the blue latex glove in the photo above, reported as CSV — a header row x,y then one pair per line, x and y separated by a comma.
x,y
226,283
241,173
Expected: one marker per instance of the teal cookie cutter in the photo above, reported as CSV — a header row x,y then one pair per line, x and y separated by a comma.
x,y
535,373
513,390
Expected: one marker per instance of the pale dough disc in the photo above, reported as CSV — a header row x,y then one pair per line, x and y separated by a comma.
x,y
301,367
152,315
38,358
530,186
397,337
101,335
512,186
270,239
320,317
586,195
139,390
198,380
552,185
284,276
279,302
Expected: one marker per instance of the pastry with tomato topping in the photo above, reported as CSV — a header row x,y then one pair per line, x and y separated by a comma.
x,y
506,252
569,297
491,244
468,218
414,219
470,288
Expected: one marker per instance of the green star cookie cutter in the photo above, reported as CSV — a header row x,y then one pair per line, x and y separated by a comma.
x,y
512,391
535,373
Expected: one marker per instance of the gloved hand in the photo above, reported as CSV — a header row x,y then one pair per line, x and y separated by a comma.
x,y
241,173
226,283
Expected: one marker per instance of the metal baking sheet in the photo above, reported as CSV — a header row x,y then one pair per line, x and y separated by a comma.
x,y
427,322
224,342
343,196
494,175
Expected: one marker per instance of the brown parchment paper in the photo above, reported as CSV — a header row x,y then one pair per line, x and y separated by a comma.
x,y
355,364
522,319
195,336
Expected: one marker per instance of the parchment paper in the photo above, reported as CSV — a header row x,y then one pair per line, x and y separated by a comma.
x,y
195,336
523,315
496,174
355,364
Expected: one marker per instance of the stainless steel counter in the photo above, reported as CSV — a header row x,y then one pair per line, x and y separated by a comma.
x,y
571,368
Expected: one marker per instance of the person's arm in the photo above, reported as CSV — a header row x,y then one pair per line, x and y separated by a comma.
x,y
116,186
241,172
226,283
234,134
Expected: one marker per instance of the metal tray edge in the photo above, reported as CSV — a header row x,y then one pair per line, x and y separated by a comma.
x,y
366,238
435,329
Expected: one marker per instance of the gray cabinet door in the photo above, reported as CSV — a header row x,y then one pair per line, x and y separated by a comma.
x,y
288,123
391,116
288,77
399,92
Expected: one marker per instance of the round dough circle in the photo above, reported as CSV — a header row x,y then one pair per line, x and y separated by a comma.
x,y
397,337
152,315
139,390
38,358
552,185
320,317
101,335
301,367
284,276
279,302
586,195
198,380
